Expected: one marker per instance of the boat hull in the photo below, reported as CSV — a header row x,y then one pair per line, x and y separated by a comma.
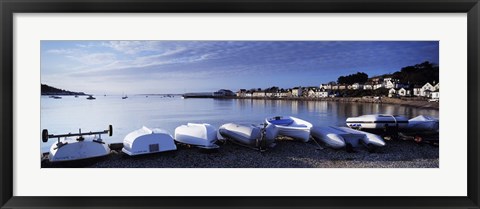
x,y
377,122
202,135
291,127
249,135
423,123
77,150
339,137
148,141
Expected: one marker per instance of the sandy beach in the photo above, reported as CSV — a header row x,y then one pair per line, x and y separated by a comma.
x,y
286,154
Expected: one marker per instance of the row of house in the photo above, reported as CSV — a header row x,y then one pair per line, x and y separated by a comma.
x,y
395,90
427,90
312,92
373,84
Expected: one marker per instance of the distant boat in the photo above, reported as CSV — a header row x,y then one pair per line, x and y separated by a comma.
x,y
124,97
76,96
91,97
291,127
56,97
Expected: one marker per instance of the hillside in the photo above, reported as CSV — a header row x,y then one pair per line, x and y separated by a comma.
x,y
49,90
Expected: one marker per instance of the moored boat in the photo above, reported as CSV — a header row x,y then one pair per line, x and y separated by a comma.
x,y
80,148
146,141
202,135
90,97
250,135
339,137
291,127
377,121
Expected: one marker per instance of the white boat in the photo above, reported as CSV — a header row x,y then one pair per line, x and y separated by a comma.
x,y
80,148
249,135
199,134
423,123
377,121
291,127
146,141
339,137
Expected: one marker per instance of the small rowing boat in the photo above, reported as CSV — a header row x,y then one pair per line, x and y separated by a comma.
x,y
250,135
339,137
147,141
291,127
377,121
202,135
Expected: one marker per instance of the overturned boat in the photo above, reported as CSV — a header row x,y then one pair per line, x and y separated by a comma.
x,y
147,141
79,148
377,121
423,123
339,137
250,135
291,127
202,135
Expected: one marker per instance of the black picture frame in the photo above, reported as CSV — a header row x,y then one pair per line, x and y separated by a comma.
x,y
10,7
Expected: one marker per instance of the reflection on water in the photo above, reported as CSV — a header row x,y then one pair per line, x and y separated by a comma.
x,y
70,113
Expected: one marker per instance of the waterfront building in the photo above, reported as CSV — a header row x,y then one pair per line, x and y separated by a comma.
x,y
297,92
357,86
241,93
368,86
436,94
258,94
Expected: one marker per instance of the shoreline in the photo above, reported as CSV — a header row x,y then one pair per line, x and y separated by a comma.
x,y
286,154
406,101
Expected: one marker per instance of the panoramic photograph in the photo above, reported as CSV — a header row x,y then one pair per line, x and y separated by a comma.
x,y
239,104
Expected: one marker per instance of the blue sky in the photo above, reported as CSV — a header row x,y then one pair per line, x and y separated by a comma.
x,y
131,67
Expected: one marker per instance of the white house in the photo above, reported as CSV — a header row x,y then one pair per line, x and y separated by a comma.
x,y
241,93
326,86
378,85
321,94
258,94
368,86
297,92
435,94
357,86
392,92
426,90
390,83
403,92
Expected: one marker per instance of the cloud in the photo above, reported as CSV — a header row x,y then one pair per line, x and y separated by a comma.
x,y
133,47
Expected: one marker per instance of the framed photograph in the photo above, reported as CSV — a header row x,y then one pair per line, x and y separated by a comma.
x,y
260,104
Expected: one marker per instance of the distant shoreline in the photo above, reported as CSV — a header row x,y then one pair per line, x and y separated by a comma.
x,y
411,102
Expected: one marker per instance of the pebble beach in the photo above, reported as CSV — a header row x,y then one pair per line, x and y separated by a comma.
x,y
286,154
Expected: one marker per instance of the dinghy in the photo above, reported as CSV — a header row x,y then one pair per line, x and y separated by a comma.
x,y
250,135
199,134
339,137
292,127
377,121
423,123
146,141
80,148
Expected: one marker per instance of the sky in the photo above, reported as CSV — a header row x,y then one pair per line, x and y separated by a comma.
x,y
162,67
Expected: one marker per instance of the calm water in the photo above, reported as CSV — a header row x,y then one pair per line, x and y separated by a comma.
x,y
69,113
